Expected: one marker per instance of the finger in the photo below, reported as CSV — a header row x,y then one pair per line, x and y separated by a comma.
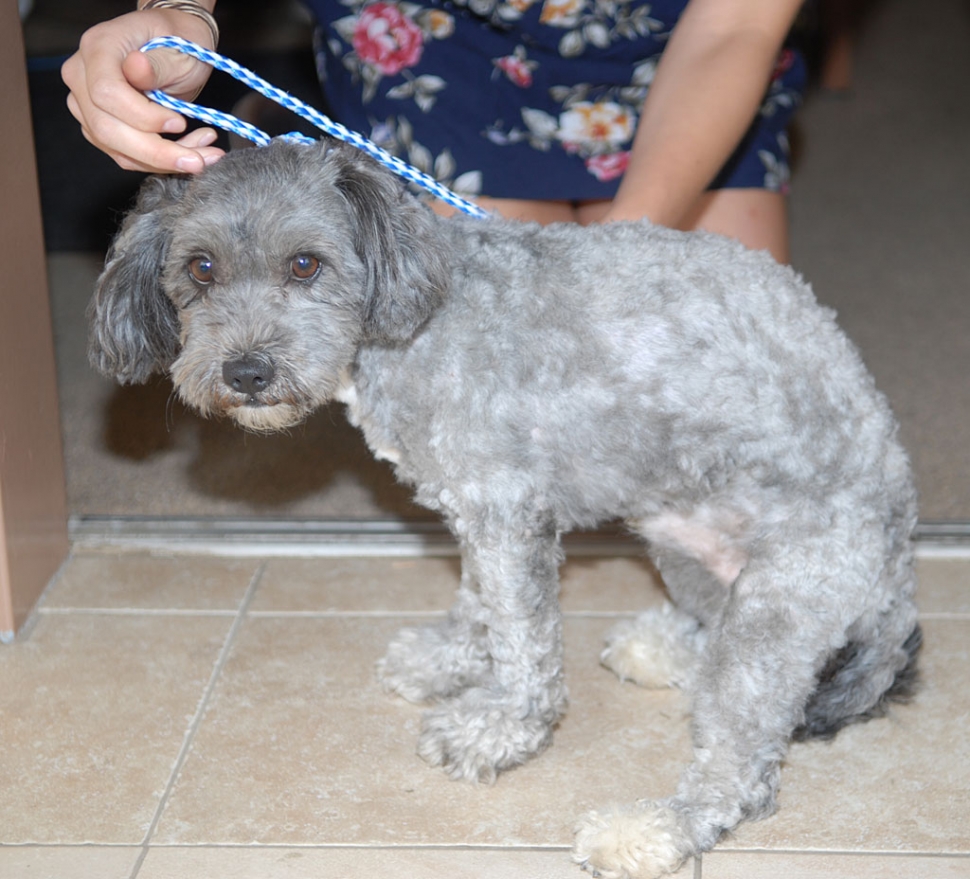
x,y
107,77
199,137
145,151
139,151
113,106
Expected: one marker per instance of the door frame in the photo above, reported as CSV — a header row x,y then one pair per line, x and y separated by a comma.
x,y
33,507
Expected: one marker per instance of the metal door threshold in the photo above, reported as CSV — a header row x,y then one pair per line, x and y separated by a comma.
x,y
264,536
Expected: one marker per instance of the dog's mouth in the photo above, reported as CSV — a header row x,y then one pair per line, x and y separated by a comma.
x,y
265,415
251,389
256,395
264,410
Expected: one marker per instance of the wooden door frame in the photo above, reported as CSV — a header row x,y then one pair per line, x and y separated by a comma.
x,y
33,508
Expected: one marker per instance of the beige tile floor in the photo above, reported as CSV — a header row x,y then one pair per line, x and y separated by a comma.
x,y
179,717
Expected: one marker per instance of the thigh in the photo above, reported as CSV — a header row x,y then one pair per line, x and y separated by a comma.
x,y
757,218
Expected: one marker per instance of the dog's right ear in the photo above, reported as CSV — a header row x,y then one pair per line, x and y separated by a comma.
x,y
134,327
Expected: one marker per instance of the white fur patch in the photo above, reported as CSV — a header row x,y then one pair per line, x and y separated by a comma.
x,y
346,393
657,649
643,842
266,419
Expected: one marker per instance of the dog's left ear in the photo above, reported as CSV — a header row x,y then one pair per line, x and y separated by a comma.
x,y
398,243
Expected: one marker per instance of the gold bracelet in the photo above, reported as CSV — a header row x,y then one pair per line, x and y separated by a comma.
x,y
190,7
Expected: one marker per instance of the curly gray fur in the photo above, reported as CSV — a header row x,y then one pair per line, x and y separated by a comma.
x,y
529,380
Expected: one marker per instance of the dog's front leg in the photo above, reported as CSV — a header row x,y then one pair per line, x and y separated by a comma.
x,y
429,663
508,716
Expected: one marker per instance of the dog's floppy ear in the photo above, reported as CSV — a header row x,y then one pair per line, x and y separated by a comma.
x,y
134,328
396,240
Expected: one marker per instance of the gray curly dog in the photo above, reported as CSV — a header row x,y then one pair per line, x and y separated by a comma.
x,y
530,380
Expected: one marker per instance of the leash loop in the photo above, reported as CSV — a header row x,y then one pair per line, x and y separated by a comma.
x,y
230,123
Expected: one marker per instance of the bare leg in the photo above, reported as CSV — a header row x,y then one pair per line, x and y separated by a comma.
x,y
527,210
755,217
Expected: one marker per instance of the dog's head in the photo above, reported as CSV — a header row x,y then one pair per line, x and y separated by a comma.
x,y
255,282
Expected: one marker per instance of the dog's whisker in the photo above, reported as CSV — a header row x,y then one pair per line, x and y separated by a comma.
x,y
170,402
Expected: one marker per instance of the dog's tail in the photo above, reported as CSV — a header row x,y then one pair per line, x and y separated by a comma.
x,y
845,681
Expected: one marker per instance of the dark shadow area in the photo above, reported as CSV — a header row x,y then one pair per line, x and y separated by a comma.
x,y
264,472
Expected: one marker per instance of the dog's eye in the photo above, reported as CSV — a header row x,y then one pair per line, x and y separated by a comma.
x,y
304,266
200,269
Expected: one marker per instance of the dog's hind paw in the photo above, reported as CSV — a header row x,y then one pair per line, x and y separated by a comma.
x,y
425,664
657,649
643,842
478,735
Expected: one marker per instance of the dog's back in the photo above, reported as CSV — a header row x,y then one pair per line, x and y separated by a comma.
x,y
621,366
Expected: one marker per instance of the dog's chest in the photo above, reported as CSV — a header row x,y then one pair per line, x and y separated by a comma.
x,y
382,444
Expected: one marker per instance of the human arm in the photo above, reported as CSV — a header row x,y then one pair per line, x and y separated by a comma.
x,y
108,76
707,89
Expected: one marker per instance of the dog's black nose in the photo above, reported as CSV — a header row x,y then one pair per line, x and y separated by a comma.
x,y
248,374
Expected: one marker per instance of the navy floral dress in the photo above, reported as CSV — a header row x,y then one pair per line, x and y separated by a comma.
x,y
533,99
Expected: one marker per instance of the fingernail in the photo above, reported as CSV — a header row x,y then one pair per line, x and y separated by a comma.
x,y
173,126
190,164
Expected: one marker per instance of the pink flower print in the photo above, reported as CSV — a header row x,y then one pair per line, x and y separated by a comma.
x,y
608,166
516,67
387,39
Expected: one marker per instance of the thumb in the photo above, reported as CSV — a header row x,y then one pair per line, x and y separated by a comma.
x,y
165,69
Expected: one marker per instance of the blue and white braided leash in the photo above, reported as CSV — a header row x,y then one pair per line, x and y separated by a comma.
x,y
230,123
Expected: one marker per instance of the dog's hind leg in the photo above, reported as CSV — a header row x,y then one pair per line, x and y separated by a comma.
x,y
662,646
757,672
508,716
435,662
877,665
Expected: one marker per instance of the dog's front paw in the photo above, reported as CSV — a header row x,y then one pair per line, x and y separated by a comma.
x,y
642,842
478,735
657,649
429,663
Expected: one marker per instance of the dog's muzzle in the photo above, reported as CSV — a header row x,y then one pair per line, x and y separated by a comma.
x,y
250,374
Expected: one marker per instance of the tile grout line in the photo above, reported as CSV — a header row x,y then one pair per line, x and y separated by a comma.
x,y
68,610
196,721
841,852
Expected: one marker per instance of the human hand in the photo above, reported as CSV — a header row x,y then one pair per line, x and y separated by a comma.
x,y
108,75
